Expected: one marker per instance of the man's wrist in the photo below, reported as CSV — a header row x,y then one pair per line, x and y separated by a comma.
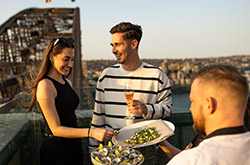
x,y
145,110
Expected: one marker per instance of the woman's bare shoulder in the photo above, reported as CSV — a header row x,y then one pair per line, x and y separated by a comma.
x,y
46,89
45,83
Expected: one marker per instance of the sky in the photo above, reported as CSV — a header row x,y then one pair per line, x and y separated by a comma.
x,y
171,28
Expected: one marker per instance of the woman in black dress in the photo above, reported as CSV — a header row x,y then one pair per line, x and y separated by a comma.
x,y
57,102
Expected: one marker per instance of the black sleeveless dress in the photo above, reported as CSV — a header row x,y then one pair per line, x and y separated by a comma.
x,y
58,150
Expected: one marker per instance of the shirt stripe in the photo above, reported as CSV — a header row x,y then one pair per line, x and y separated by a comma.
x,y
132,78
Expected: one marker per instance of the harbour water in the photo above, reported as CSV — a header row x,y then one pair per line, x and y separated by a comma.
x,y
181,102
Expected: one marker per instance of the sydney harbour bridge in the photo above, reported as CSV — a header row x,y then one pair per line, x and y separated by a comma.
x,y
23,40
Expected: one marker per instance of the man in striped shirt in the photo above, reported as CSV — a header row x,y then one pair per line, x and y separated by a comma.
x,y
152,89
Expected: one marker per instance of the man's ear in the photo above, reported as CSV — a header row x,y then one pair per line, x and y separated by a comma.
x,y
211,104
134,44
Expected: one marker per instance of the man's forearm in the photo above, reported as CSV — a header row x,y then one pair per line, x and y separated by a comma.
x,y
169,149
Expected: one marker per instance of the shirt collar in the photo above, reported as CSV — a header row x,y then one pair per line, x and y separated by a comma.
x,y
228,131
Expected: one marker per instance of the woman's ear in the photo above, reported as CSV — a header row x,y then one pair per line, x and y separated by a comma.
x,y
51,58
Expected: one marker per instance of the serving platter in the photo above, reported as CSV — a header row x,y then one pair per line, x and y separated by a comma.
x,y
164,128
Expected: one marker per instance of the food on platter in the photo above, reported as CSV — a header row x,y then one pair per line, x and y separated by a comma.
x,y
116,131
164,129
142,135
116,154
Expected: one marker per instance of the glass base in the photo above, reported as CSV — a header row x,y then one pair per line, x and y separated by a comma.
x,y
129,120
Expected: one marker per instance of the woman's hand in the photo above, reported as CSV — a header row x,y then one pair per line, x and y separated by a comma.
x,y
101,134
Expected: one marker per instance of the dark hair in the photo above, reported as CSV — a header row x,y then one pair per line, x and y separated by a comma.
x,y
131,31
247,115
55,46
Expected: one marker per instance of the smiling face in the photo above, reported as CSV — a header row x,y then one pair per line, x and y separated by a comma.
x,y
63,62
122,48
196,108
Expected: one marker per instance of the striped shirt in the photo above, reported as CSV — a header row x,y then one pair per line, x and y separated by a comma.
x,y
151,86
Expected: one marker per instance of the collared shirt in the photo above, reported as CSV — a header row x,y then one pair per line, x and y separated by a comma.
x,y
227,146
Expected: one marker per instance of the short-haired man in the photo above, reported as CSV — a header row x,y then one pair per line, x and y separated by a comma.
x,y
152,94
218,102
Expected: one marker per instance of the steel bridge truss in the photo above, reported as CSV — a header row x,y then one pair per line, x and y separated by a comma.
x,y
23,40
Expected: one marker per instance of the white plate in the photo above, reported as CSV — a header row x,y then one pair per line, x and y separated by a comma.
x,y
139,125
143,123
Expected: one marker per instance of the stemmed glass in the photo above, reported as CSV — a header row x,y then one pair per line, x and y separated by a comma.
x,y
129,94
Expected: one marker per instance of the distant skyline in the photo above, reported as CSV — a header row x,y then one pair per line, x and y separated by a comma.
x,y
171,29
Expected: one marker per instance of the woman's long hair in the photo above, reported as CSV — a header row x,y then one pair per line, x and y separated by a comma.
x,y
46,65
247,115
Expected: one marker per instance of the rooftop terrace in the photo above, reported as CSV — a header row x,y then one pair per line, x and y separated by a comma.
x,y
21,134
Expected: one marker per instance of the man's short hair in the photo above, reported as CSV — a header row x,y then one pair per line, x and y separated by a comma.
x,y
224,76
131,31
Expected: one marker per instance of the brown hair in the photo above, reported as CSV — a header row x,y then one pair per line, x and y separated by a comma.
x,y
54,47
225,76
131,31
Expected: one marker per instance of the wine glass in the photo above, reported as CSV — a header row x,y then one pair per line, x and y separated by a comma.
x,y
129,94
